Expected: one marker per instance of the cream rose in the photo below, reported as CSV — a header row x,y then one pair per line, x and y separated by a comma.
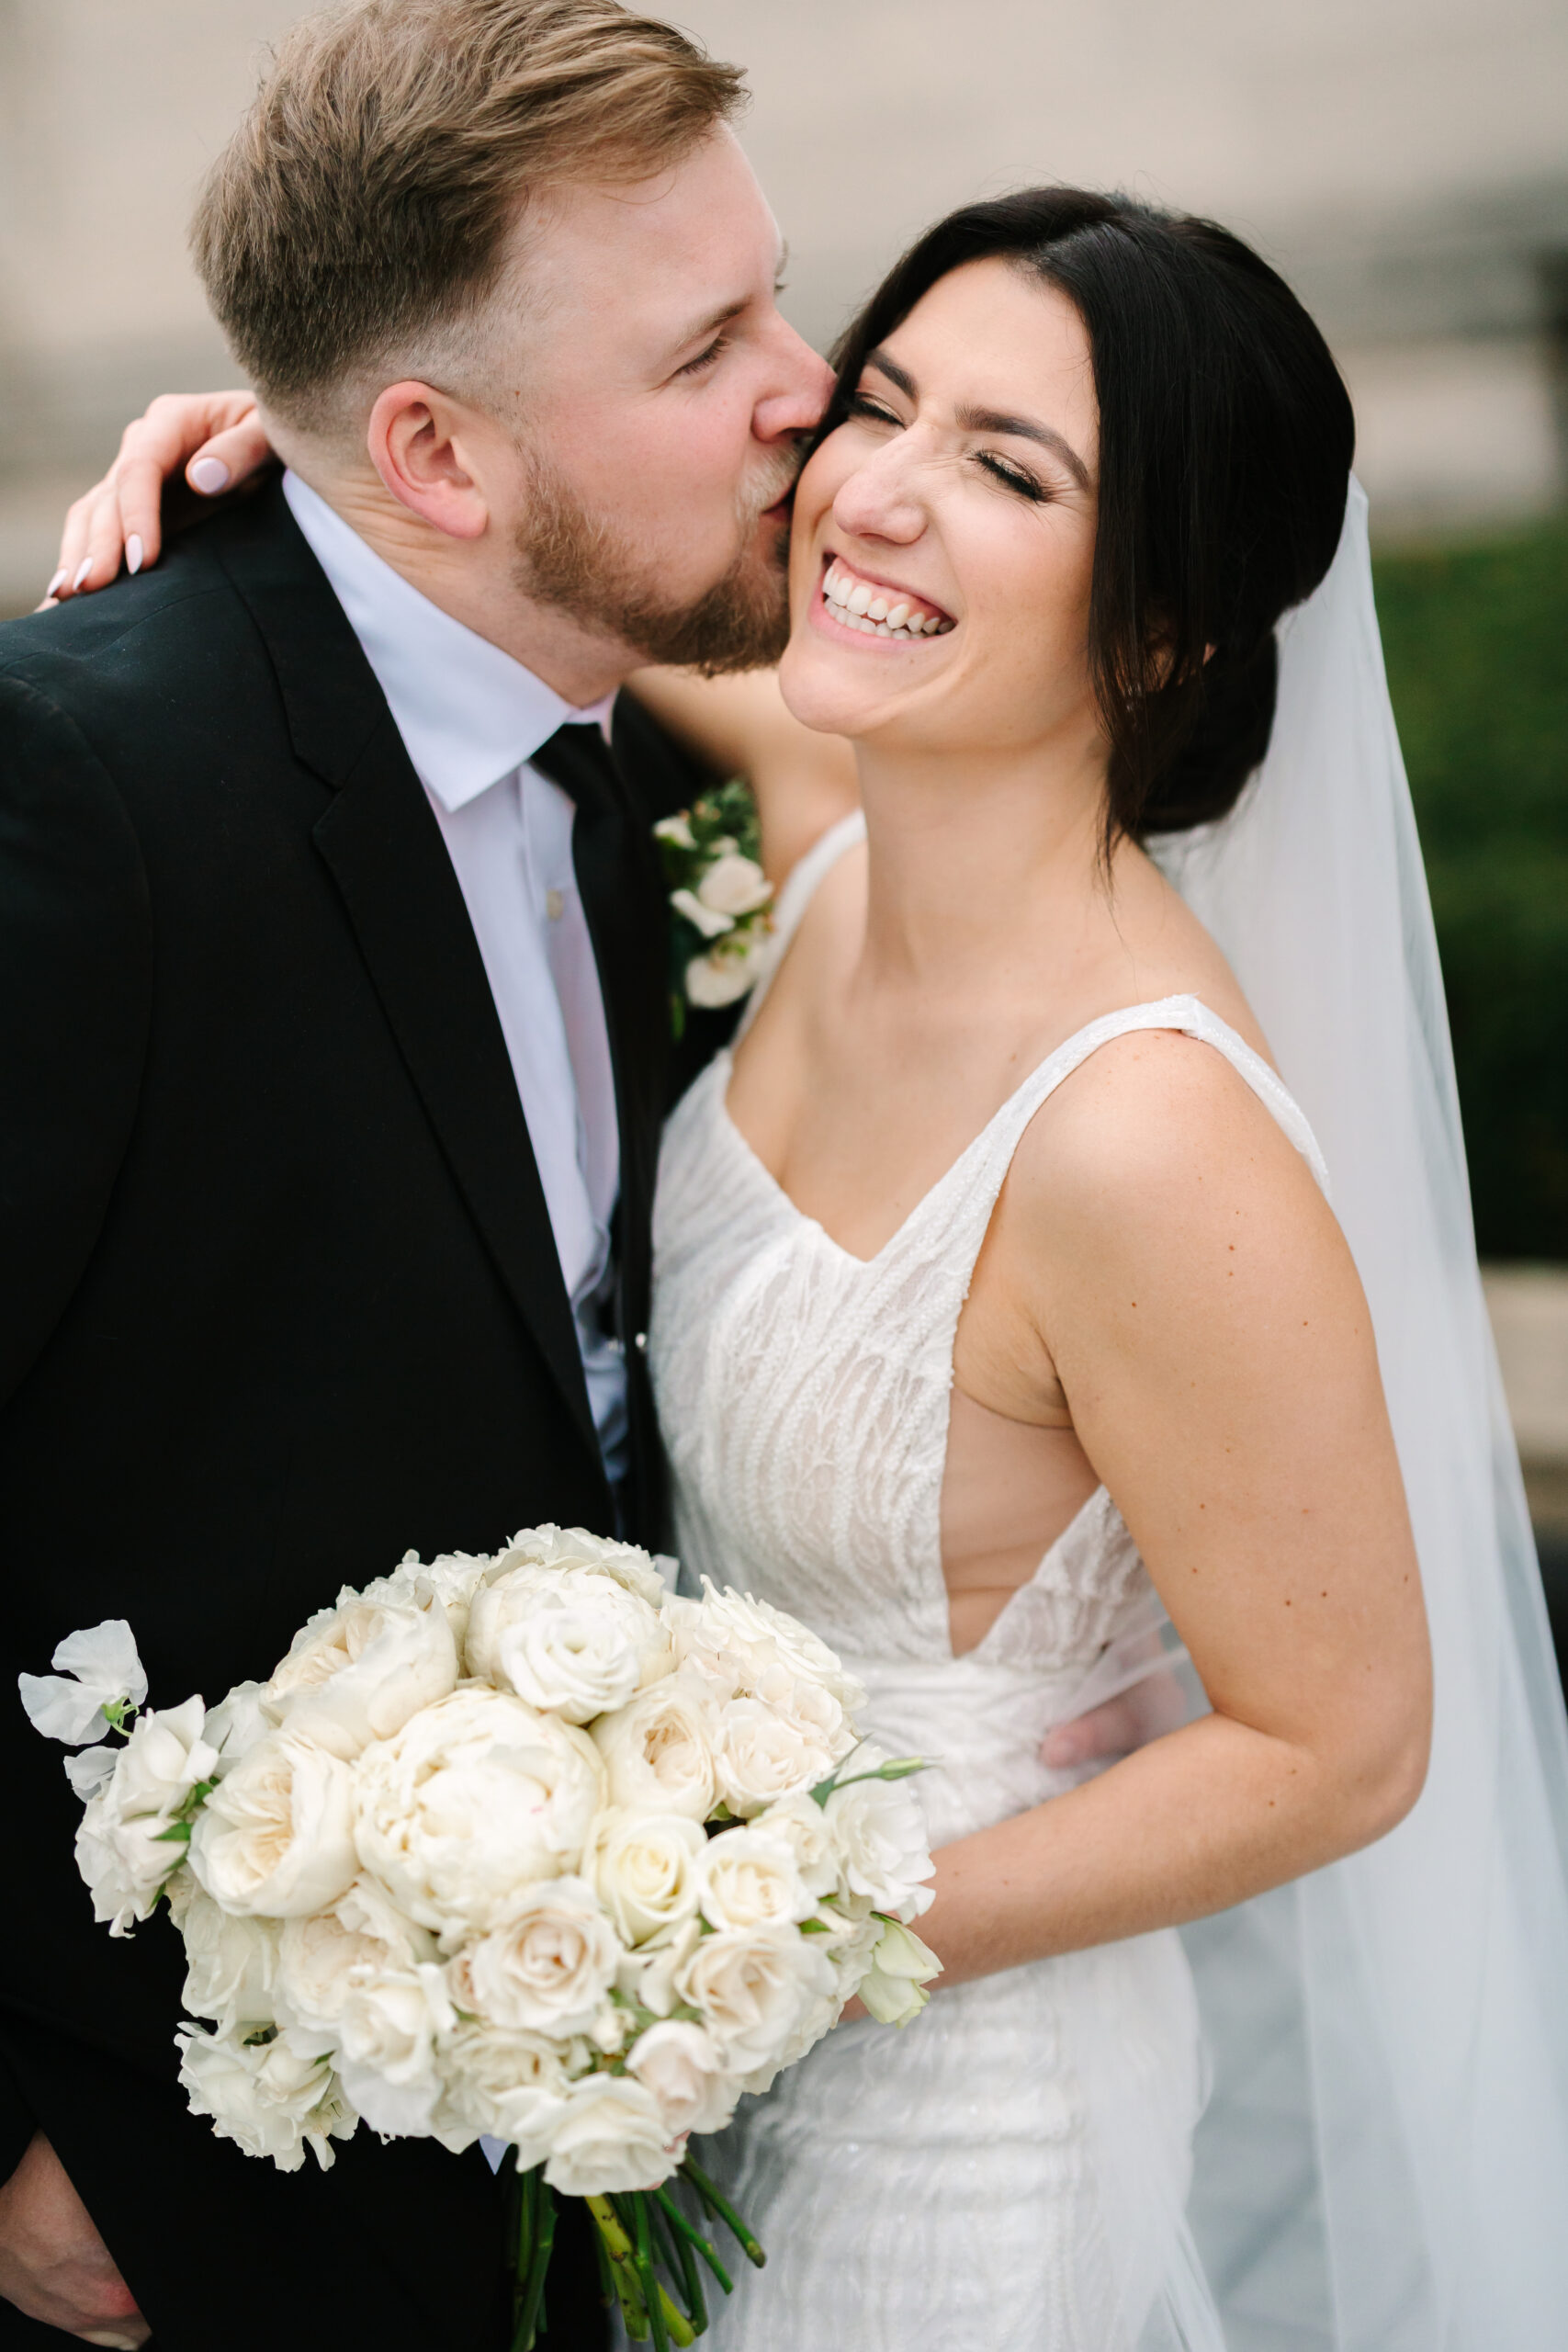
x,y
321,1957
754,1988
275,1838
761,1756
729,968
658,1750
231,1963
511,2086
751,1881
477,1796
386,2032
880,1832
646,1974
357,1672
799,1823
271,2098
545,1963
572,1643
735,885
647,1869
679,2064
611,2139
573,1548
766,1636
452,1579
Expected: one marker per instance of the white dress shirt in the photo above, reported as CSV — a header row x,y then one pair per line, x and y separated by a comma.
x,y
471,718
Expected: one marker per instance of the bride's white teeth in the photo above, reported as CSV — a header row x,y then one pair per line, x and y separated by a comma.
x,y
877,609
876,612
882,628
859,597
899,614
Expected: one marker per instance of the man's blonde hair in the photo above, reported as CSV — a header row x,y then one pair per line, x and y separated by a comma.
x,y
361,213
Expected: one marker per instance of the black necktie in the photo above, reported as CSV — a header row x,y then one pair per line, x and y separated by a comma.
x,y
622,891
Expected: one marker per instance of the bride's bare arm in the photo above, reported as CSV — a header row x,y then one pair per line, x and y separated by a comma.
x,y
739,726
1165,1247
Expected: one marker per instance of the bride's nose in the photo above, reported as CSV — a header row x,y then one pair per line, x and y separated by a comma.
x,y
881,499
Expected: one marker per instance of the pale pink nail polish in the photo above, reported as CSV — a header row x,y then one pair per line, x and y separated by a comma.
x,y
56,585
133,554
82,571
209,475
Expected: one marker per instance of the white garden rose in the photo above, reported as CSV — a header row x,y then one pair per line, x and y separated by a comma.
x,y
572,1643
386,2032
731,966
647,1975
231,1963
611,2139
880,1832
357,1672
123,1850
647,1869
764,1636
275,1838
510,2086
658,1750
761,1756
817,2017
751,1881
321,1959
799,1823
755,1987
705,921
452,1579
681,2064
893,1988
545,1963
271,2098
573,1548
734,885
477,1796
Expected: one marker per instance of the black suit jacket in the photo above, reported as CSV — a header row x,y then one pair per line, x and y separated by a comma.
x,y
280,1299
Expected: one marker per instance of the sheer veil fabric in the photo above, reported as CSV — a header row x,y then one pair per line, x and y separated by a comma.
x,y
1383,2164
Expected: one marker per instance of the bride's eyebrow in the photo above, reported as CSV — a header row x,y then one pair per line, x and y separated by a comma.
x,y
989,420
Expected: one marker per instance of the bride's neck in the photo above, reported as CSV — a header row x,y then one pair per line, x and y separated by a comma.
x,y
975,853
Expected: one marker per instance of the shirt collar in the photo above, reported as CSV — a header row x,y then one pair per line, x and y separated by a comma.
x,y
468,713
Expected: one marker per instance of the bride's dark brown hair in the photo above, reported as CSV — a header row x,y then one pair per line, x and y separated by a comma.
x,y
1225,441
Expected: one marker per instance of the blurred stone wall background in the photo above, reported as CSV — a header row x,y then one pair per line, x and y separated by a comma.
x,y
1404,161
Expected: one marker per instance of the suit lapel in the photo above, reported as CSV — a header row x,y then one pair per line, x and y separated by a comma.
x,y
381,842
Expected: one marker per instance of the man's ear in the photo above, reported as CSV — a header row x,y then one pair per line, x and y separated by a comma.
x,y
421,443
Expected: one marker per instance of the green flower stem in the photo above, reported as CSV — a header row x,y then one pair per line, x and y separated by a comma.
x,y
538,2236
726,2213
652,2292
897,1767
695,2239
678,2256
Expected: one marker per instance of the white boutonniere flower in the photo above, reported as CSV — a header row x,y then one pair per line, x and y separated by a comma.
x,y
721,899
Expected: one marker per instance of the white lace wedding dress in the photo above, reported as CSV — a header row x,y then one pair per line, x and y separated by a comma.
x,y
1009,2173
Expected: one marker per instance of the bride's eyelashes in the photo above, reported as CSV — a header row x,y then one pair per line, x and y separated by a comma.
x,y
870,410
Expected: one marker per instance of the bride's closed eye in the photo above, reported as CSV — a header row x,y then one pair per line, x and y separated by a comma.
x,y
870,410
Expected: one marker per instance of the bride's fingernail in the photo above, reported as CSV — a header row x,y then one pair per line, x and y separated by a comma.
x,y
209,475
82,571
133,553
56,585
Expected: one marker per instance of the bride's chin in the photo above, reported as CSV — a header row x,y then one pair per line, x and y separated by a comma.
x,y
828,705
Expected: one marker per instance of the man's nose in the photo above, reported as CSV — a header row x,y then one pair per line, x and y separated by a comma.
x,y
803,381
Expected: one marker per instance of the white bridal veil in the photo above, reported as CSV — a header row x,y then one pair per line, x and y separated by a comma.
x,y
1383,2164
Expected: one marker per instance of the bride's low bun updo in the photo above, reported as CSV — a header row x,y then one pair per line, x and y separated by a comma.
x,y
1226,437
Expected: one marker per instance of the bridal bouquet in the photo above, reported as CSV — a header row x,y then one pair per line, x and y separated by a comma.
x,y
523,1846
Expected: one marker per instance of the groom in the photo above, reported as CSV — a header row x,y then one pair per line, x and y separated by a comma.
x,y
331,951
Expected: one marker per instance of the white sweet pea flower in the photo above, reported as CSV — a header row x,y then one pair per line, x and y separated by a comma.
x,y
357,1672
726,973
122,1849
573,1644
894,1987
476,1797
231,1963
755,1988
510,2086
658,1749
647,1869
386,2032
543,1966
271,2098
880,1832
275,1838
751,1881
611,2139
236,1726
734,885
761,1754
680,2064
708,921
90,1769
321,1957
98,1667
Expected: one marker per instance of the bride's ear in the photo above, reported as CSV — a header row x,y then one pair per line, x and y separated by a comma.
x,y
423,443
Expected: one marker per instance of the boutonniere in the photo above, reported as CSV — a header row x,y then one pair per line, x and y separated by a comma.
x,y
719,898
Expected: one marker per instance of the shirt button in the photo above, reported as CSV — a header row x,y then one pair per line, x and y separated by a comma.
x,y
640,1343
555,905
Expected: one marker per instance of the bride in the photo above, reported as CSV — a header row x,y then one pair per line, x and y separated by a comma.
x,y
1002,1316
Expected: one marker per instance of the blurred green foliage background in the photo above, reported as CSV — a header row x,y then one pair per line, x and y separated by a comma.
x,y
1476,642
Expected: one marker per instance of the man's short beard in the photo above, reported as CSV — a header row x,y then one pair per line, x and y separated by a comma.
x,y
584,568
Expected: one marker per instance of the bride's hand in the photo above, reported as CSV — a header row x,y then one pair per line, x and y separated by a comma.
x,y
1149,1710
219,439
